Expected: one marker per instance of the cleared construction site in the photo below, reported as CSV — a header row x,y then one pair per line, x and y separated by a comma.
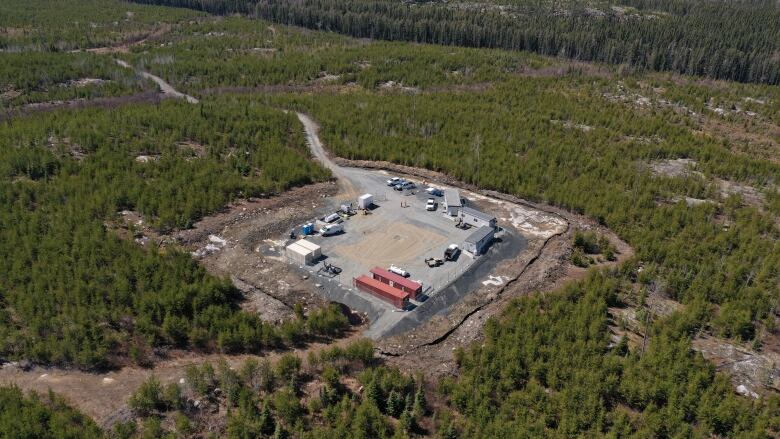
x,y
390,246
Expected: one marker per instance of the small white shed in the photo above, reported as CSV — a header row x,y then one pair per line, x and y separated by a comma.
x,y
365,201
303,252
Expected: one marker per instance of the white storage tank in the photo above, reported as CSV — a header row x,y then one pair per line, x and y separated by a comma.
x,y
398,270
365,201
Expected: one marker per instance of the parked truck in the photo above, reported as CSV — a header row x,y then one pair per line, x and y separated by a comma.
x,y
451,252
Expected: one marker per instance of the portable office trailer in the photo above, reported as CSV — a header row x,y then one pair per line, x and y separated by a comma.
x,y
382,291
303,254
365,201
452,202
396,281
479,241
476,218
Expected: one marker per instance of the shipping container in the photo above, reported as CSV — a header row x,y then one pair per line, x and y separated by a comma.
x,y
365,201
303,252
382,291
396,281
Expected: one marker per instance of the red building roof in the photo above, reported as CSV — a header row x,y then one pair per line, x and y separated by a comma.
x,y
400,280
395,292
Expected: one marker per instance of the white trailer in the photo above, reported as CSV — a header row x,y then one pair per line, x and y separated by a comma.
x,y
333,217
478,242
476,218
365,201
452,202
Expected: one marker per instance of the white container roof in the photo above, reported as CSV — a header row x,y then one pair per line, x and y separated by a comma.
x,y
299,249
308,245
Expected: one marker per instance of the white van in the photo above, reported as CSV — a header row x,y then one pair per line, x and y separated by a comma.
x,y
331,229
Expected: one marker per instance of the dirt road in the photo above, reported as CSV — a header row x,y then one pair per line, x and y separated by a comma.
x,y
347,189
166,88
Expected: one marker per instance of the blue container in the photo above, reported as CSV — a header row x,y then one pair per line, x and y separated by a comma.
x,y
308,228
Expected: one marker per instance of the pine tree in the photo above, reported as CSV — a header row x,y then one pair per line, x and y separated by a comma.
x,y
420,408
374,395
450,432
280,432
395,404
407,421
267,423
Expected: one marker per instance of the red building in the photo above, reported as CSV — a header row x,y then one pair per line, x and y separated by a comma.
x,y
396,281
383,291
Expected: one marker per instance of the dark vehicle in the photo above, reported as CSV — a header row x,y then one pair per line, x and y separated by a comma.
x,y
451,253
330,268
434,262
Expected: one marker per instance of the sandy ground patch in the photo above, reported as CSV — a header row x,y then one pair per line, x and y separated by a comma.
x,y
386,245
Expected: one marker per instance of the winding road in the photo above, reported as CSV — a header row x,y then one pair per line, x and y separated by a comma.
x,y
311,128
166,88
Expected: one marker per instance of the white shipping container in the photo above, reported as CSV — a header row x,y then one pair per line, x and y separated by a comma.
x,y
315,250
299,255
365,201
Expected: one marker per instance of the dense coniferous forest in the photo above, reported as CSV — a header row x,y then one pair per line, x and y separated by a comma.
x,y
724,40
41,77
255,53
75,292
32,416
65,26
547,368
